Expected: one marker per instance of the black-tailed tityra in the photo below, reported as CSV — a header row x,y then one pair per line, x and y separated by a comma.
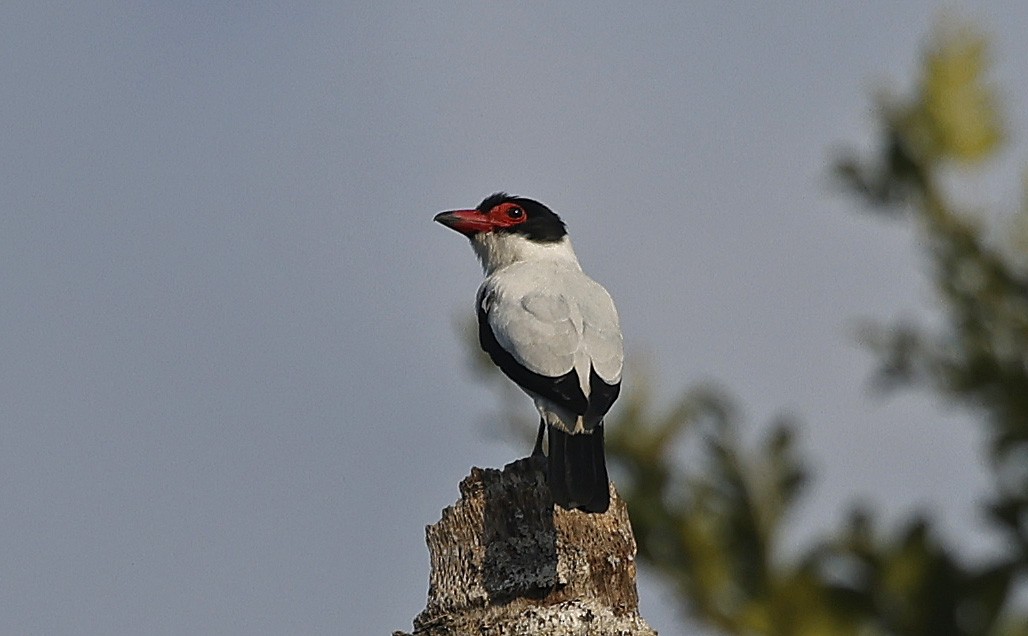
x,y
553,331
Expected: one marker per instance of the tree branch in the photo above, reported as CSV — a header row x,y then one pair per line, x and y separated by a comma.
x,y
506,561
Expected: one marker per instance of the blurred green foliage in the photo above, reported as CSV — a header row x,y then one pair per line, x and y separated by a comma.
x,y
709,512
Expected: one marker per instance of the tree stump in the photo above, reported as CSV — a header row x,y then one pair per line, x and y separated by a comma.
x,y
506,561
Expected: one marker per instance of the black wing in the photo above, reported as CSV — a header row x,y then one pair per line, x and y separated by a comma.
x,y
601,397
563,390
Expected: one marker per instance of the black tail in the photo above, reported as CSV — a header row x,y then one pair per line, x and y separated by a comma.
x,y
577,470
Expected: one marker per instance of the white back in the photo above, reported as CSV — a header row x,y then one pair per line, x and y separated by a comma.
x,y
553,318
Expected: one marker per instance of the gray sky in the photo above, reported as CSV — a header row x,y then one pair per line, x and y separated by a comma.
x,y
232,393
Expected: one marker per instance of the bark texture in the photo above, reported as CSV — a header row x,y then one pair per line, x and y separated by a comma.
x,y
506,561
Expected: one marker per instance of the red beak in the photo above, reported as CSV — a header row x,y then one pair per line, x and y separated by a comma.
x,y
467,222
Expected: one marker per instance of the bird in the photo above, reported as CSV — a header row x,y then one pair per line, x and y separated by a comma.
x,y
553,331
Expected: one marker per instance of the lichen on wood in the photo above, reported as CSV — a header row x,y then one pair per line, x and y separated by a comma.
x,y
506,561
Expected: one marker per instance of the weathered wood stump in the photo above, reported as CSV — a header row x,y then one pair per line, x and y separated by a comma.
x,y
506,561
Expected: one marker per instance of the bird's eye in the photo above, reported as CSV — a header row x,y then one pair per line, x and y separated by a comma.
x,y
515,213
